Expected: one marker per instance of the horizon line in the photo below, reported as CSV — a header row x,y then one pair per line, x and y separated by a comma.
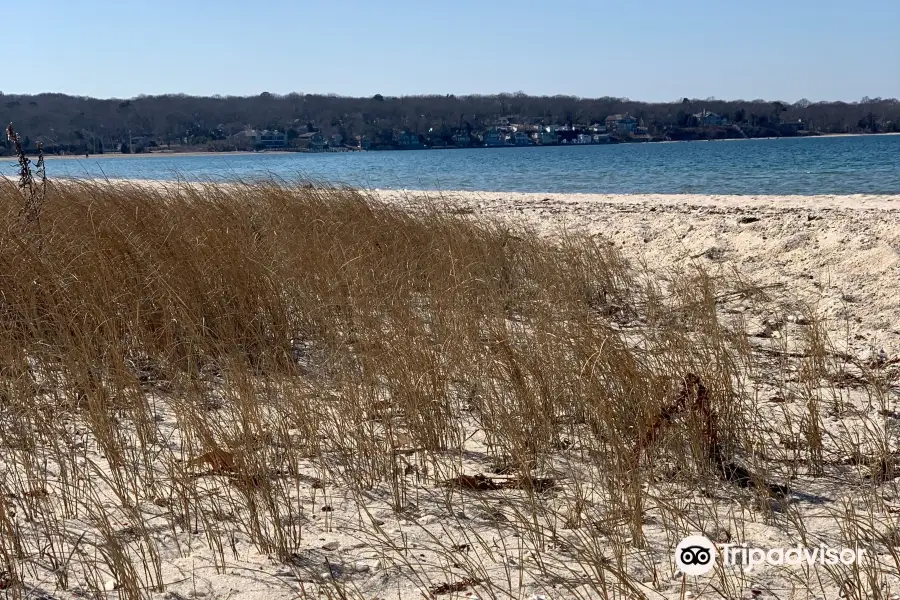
x,y
519,94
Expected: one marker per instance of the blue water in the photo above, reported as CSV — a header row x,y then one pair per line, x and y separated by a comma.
x,y
805,166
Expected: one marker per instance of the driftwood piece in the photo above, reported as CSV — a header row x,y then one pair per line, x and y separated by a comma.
x,y
693,396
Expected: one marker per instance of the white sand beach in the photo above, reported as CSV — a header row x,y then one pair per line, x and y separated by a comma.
x,y
840,254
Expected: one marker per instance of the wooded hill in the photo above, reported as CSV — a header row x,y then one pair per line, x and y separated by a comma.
x,y
79,124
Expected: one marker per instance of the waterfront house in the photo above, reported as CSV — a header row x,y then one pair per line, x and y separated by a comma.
x,y
438,138
245,138
272,139
583,138
264,138
710,119
494,138
409,141
520,138
336,141
545,137
622,124
566,136
462,137
313,141
793,126
139,143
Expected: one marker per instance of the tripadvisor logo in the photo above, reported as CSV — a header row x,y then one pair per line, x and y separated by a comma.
x,y
696,555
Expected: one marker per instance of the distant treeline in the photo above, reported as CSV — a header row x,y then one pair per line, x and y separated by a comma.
x,y
79,124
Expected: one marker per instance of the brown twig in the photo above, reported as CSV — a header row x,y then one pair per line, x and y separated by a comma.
x,y
34,196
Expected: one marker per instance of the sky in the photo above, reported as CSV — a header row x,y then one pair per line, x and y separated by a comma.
x,y
653,50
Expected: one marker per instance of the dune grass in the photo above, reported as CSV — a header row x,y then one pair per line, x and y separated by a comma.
x,y
235,373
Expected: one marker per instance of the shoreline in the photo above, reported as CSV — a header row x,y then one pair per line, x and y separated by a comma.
x,y
860,201
151,155
289,152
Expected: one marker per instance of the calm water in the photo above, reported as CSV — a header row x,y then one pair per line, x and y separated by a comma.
x,y
839,165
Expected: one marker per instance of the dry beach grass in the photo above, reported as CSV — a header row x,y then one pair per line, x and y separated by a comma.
x,y
252,391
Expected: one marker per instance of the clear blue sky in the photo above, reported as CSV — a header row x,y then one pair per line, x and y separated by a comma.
x,y
655,50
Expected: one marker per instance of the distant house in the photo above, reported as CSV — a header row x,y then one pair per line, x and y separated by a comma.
x,y
141,142
272,139
462,138
621,124
494,138
336,141
566,135
583,138
600,138
264,138
797,125
435,139
520,138
313,141
545,137
247,136
363,142
710,119
409,141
